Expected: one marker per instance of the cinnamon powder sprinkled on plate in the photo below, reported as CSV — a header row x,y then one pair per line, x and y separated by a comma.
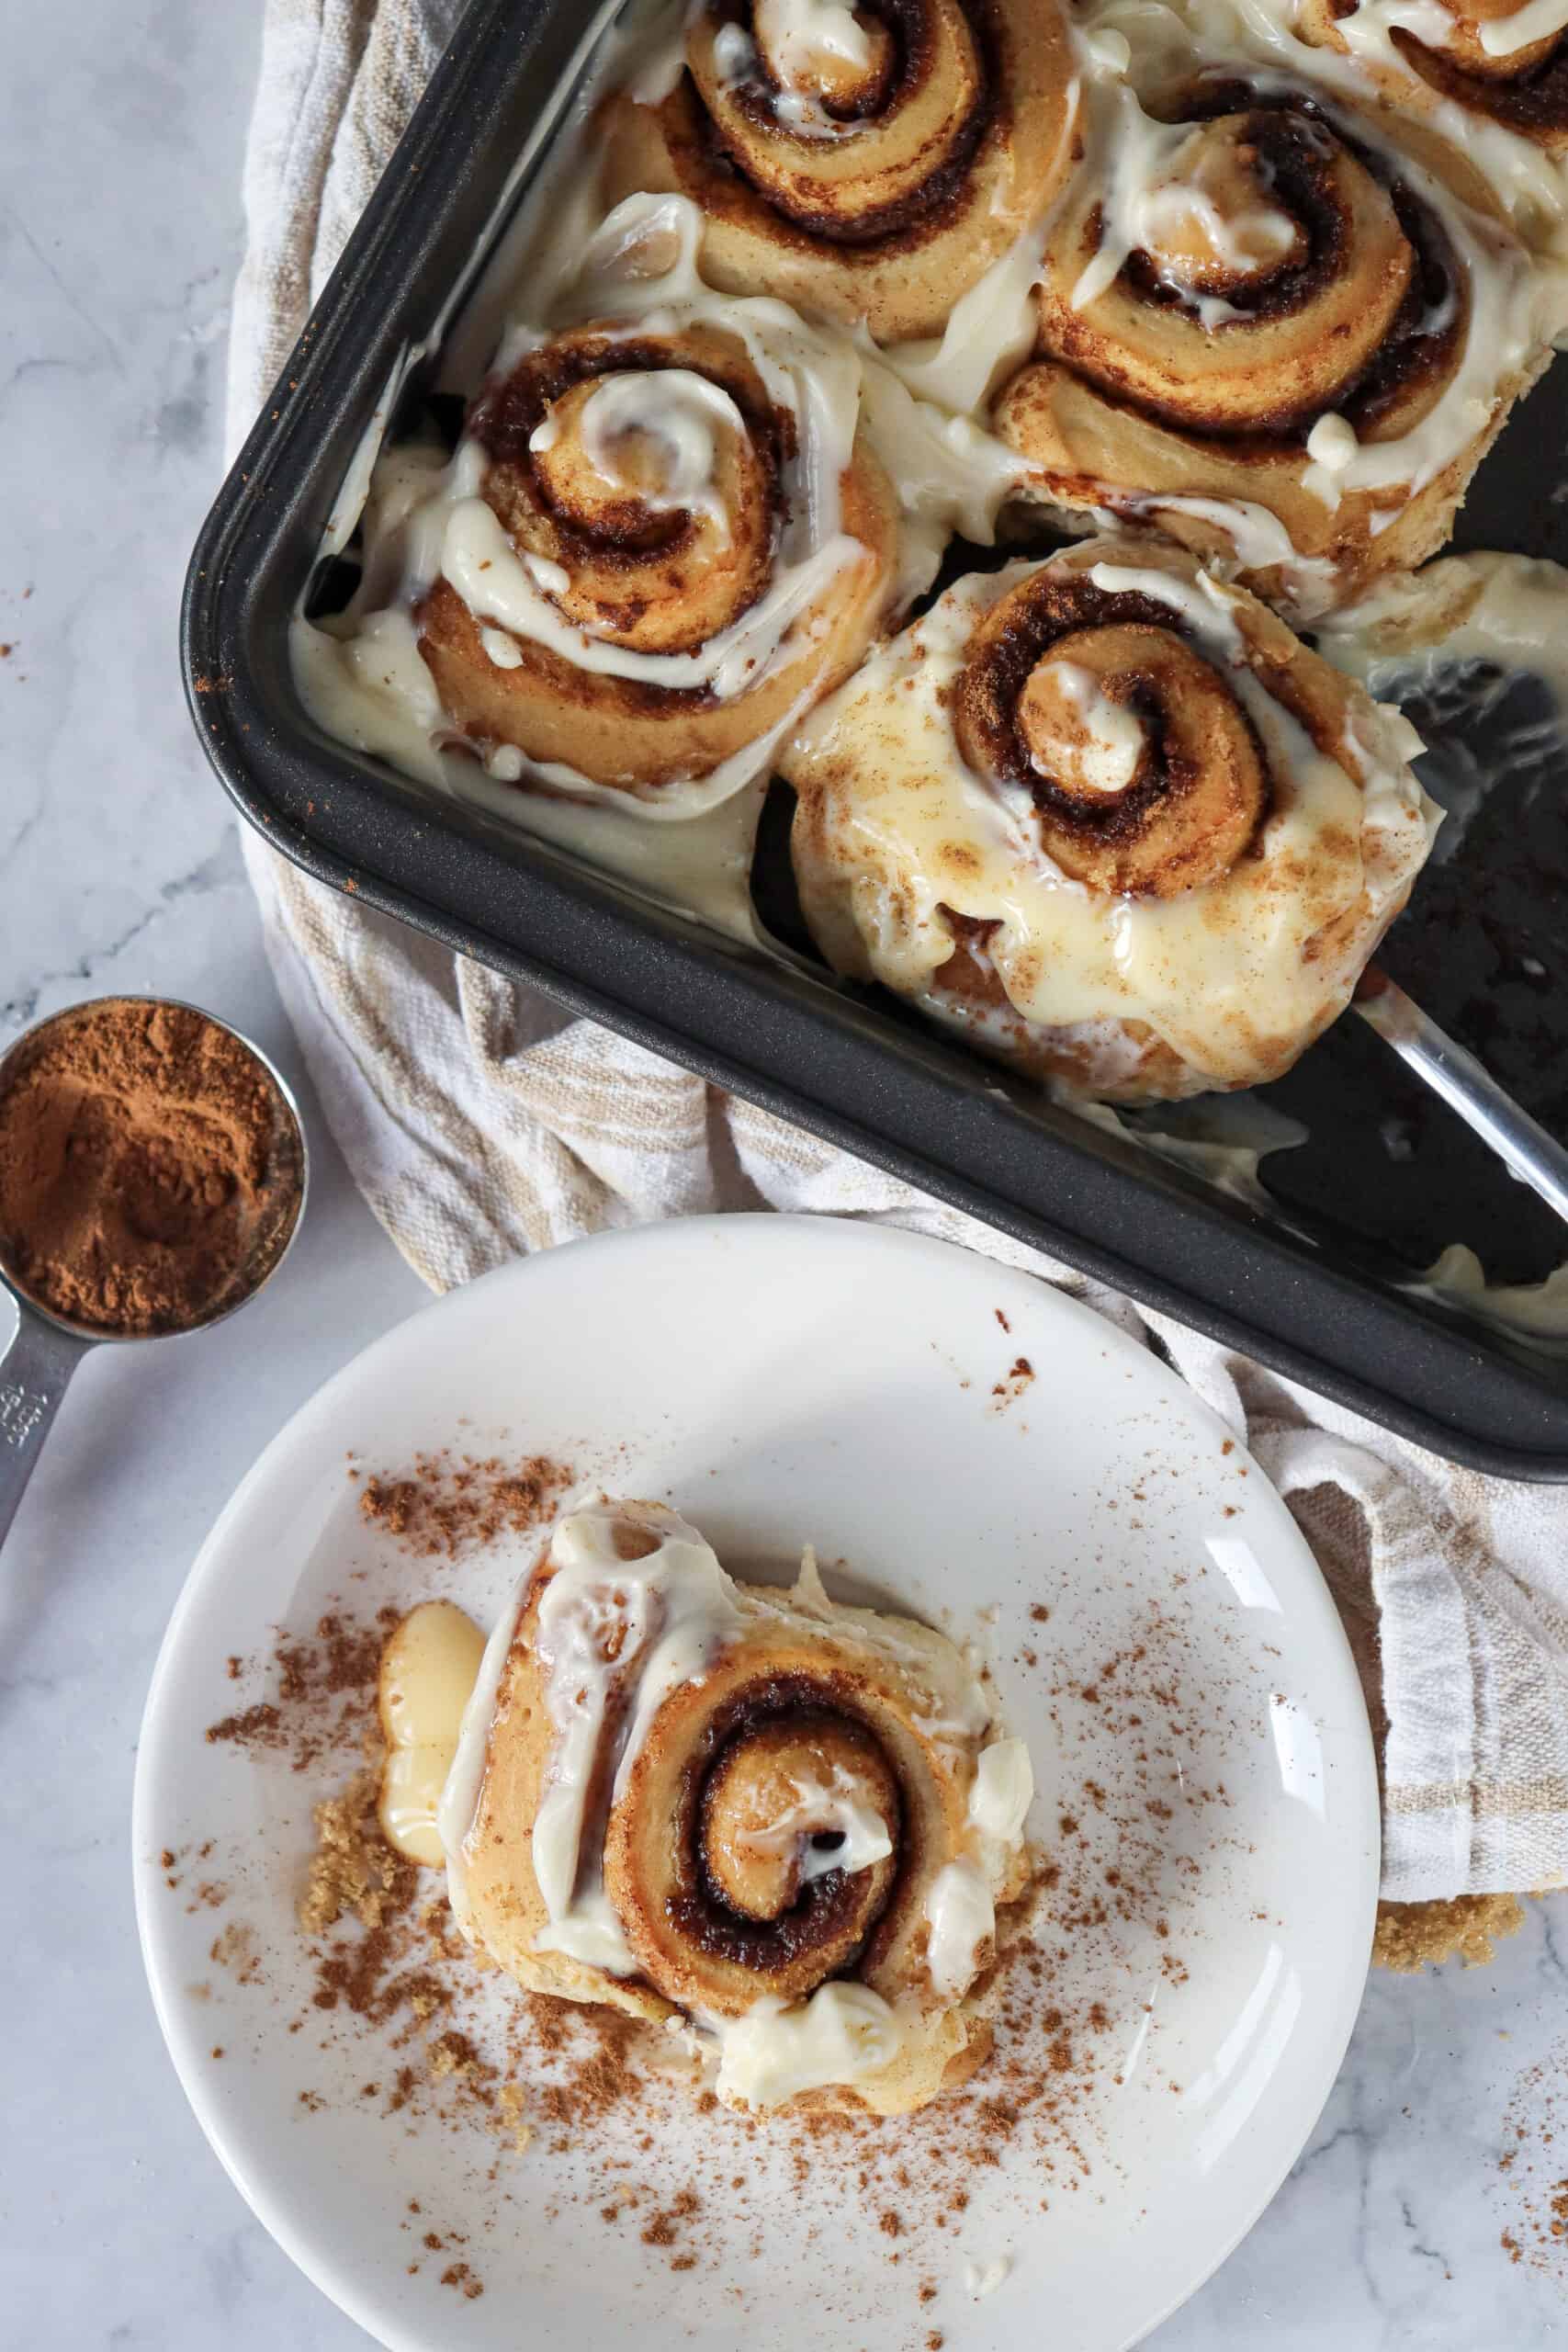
x,y
393,1986
447,1505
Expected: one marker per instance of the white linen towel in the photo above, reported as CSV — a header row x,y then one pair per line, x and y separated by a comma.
x,y
482,1122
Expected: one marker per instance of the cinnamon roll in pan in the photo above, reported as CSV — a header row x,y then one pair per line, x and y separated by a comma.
x,y
865,165
1108,817
634,490
787,1825
1274,332
1505,61
662,533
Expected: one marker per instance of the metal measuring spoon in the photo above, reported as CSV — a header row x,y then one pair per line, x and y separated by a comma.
x,y
46,1348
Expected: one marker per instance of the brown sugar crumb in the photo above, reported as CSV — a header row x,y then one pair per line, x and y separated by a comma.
x,y
1413,1935
235,1949
353,1867
448,1504
889,2224
1040,1613
457,2274
510,2120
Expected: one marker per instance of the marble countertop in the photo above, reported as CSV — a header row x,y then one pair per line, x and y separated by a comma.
x,y
120,868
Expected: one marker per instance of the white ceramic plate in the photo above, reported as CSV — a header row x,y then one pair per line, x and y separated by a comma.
x,y
792,1380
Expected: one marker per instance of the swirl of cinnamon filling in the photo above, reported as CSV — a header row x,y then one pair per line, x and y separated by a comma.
x,y
863,162
1112,818
787,1821
1505,60
630,593
1270,333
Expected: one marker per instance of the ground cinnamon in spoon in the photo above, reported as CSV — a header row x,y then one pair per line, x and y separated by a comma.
x,y
145,1165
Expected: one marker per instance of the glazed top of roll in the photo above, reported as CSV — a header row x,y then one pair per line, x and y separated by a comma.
x,y
1505,60
1162,807
1250,259
867,164
786,1822
662,531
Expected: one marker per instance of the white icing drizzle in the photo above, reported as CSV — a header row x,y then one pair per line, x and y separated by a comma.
x,y
950,474
844,2033
962,1920
1527,180
1507,609
818,381
824,1808
1113,738
1536,20
614,1636
427,519
633,1629
1258,540
1152,184
1003,1791
798,34
1540,1310
678,409
990,329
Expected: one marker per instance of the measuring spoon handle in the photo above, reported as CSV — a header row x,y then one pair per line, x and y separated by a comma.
x,y
34,1372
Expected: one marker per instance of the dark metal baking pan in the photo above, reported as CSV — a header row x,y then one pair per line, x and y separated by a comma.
x,y
1316,1291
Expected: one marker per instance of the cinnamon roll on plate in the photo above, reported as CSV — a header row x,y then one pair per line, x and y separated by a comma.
x,y
1110,818
779,1827
866,165
1283,330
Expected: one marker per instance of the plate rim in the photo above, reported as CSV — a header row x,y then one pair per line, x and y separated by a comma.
x,y
833,1230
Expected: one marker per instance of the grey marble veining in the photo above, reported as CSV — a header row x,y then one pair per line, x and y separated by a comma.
x,y
120,137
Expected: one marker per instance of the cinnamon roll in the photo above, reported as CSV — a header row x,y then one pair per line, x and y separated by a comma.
x,y
1275,333
784,1823
865,164
1505,61
662,533
1110,818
